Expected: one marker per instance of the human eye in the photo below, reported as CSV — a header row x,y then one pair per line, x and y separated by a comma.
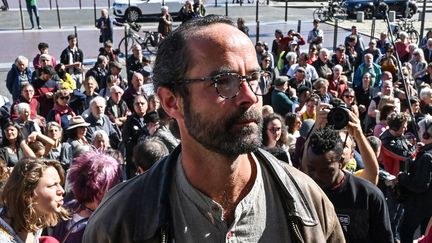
x,y
227,81
227,84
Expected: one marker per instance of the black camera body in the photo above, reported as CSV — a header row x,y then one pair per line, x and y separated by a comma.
x,y
338,116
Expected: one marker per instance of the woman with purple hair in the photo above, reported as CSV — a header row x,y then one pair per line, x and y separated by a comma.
x,y
90,176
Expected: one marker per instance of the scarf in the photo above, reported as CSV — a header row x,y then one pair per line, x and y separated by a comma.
x,y
60,111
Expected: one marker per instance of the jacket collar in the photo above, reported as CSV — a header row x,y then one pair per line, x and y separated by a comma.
x,y
153,212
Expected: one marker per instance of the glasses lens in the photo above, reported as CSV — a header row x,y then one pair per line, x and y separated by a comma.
x,y
264,83
227,85
64,97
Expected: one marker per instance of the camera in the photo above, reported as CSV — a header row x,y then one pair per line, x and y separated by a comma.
x,y
338,116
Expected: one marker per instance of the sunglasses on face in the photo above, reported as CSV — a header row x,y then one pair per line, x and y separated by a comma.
x,y
349,96
64,97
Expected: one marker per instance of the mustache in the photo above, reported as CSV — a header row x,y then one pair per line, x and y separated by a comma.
x,y
253,114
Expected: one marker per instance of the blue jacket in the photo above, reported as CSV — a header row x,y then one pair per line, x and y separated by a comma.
x,y
13,82
361,70
139,210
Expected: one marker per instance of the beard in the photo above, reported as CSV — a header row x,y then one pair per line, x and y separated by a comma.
x,y
225,136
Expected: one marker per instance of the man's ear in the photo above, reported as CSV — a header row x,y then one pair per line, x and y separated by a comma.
x,y
172,103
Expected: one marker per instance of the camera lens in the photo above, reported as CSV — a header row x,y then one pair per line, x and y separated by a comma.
x,y
338,118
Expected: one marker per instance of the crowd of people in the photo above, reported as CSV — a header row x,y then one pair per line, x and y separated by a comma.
x,y
356,121
383,92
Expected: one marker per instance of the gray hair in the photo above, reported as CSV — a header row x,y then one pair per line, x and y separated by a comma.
x,y
337,66
174,54
425,93
101,58
21,60
44,57
324,50
97,98
101,134
425,125
21,107
291,56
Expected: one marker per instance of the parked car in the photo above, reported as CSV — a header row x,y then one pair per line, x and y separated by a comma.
x,y
370,8
144,8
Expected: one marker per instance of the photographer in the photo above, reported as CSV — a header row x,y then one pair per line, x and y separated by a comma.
x,y
351,122
417,183
324,159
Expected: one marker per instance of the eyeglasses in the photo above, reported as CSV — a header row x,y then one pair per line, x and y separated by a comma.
x,y
274,129
64,97
349,96
228,84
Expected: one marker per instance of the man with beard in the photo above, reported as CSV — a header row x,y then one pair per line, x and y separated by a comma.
x,y
360,205
218,185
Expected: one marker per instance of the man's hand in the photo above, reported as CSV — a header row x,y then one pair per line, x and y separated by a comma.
x,y
354,125
322,112
32,137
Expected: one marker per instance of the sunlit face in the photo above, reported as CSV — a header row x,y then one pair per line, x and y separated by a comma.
x,y
154,104
366,80
98,108
337,72
40,153
323,56
45,62
116,96
310,107
90,85
368,59
100,143
49,193
302,60
387,87
297,124
28,92
81,132
140,106
11,133
348,97
63,99
229,127
415,107
54,132
274,130
137,80
299,75
73,42
25,114
323,89
22,66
